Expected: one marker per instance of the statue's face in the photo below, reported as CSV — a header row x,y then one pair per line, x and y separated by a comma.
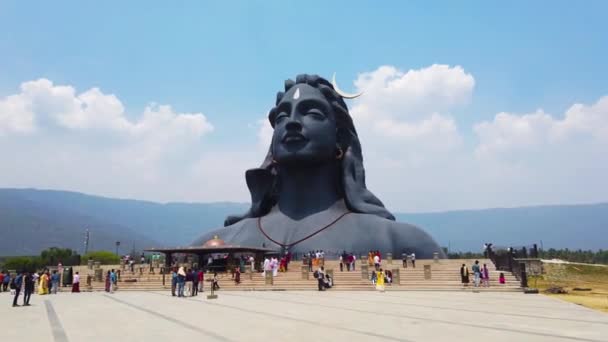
x,y
304,127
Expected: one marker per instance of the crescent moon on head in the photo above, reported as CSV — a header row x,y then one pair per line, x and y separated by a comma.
x,y
340,92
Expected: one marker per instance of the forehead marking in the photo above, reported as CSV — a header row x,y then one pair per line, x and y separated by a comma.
x,y
296,95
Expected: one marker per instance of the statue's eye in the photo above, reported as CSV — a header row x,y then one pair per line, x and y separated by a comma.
x,y
280,117
316,113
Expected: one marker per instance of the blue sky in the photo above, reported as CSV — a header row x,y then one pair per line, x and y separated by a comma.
x,y
228,59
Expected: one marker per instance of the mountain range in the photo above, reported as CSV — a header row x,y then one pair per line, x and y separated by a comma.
x,y
32,220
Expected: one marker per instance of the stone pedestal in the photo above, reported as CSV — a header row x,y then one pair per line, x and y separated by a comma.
x,y
389,258
99,274
436,257
304,271
427,272
396,276
268,279
365,271
96,265
90,264
248,271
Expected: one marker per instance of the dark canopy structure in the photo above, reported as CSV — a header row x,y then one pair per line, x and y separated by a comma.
x,y
213,246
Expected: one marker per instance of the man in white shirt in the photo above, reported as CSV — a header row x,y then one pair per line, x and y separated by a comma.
x,y
266,266
413,260
377,262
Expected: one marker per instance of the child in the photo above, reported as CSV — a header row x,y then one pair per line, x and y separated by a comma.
x,y
501,278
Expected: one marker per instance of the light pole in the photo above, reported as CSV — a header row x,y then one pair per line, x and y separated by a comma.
x,y
117,245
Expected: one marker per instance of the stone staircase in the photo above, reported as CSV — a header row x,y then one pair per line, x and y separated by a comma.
x,y
445,276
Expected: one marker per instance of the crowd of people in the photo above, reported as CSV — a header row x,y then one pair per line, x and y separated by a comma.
x,y
313,259
187,282
381,277
26,283
274,265
111,284
481,275
347,260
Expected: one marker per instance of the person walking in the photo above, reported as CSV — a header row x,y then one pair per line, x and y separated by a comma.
x,y
181,281
237,276
486,276
55,277
380,280
376,262
464,275
113,281
43,283
28,288
17,282
173,282
194,283
1,280
320,275
76,283
6,281
108,282
476,273
201,280
413,257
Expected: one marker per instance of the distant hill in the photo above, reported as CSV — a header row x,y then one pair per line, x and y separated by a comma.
x,y
558,226
31,220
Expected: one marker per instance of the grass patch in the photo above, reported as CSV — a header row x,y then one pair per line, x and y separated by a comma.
x,y
572,276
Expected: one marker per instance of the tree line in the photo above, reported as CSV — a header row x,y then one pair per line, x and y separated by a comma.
x,y
572,255
53,256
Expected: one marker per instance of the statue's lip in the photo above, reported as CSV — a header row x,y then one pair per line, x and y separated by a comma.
x,y
293,137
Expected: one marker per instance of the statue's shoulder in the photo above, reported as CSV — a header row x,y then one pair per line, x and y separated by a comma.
x,y
399,235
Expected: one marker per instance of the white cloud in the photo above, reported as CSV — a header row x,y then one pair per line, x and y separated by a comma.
x,y
15,116
92,109
85,142
509,132
409,112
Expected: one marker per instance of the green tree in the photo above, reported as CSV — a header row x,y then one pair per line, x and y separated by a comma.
x,y
24,263
104,257
54,255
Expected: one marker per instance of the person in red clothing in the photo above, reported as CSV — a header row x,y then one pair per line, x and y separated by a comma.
x,y
201,280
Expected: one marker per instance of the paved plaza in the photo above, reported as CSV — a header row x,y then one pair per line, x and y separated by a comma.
x,y
301,316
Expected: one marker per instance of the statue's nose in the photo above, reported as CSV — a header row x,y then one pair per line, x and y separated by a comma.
x,y
293,125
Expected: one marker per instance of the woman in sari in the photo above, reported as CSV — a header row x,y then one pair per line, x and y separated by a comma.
x,y
380,281
237,276
370,258
76,283
43,285
108,281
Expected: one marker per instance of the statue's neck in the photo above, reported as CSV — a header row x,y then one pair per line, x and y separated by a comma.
x,y
308,189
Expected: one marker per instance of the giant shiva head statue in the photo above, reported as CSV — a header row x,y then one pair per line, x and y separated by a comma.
x,y
311,126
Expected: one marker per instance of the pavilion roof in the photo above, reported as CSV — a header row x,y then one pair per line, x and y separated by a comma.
x,y
211,249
